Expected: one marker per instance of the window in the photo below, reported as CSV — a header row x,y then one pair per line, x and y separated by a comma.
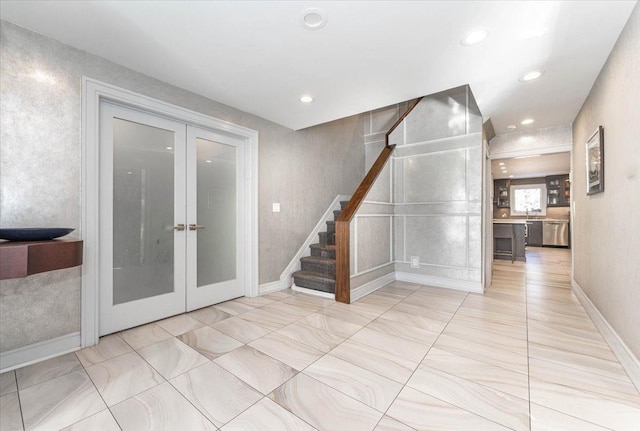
x,y
529,199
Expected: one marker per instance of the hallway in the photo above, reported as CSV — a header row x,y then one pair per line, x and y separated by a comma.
x,y
523,356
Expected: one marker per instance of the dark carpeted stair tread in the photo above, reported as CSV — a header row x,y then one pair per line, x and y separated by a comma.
x,y
343,204
313,280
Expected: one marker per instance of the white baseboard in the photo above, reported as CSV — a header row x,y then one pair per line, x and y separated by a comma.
x,y
27,355
467,286
372,286
313,292
273,286
627,359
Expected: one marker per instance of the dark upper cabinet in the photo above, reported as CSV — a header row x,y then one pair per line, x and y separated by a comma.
x,y
501,193
558,191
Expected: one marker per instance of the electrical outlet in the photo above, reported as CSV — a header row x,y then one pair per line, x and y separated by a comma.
x,y
415,262
276,207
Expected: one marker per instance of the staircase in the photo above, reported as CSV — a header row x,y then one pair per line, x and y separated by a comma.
x,y
319,270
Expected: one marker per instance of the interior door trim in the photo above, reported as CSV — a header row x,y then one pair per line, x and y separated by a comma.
x,y
93,92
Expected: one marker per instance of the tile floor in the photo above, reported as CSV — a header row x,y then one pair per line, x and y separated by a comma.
x,y
523,356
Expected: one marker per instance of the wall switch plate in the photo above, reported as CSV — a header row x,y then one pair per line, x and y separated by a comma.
x,y
276,207
415,262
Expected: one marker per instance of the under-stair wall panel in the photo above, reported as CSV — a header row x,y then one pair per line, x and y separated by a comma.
x,y
437,178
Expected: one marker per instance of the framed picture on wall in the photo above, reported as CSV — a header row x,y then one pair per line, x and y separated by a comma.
x,y
595,162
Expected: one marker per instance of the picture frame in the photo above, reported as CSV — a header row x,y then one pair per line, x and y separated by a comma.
x,y
595,162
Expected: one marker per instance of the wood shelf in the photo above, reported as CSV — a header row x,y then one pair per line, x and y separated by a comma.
x,y
23,258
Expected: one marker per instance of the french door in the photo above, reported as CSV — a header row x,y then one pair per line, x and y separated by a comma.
x,y
170,217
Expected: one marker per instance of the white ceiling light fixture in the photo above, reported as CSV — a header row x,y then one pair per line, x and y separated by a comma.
x,y
512,127
501,163
208,161
527,121
169,148
313,19
475,37
306,99
534,74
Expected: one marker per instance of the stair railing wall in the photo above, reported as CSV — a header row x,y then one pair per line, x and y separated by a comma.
x,y
343,223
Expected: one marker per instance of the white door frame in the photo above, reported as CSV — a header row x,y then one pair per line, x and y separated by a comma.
x,y
93,92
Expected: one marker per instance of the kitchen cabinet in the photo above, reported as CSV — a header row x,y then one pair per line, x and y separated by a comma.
x,y
558,191
501,193
534,233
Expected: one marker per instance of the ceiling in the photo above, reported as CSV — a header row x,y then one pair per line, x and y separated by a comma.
x,y
532,166
256,56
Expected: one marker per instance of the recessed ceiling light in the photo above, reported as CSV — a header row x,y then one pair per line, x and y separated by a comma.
x,y
313,19
512,127
526,121
208,161
306,99
169,148
501,163
534,74
474,37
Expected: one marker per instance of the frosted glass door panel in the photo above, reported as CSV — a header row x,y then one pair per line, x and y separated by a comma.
x,y
143,207
216,203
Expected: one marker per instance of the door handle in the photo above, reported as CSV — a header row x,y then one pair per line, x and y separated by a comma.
x,y
178,227
195,227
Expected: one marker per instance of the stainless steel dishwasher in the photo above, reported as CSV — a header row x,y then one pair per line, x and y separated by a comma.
x,y
555,233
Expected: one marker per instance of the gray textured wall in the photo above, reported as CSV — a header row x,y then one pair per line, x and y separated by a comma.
x,y
40,164
606,239
437,183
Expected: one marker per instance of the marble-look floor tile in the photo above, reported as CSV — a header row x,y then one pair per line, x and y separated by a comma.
x,y
209,342
407,332
312,337
144,335
583,362
391,344
614,389
477,325
425,413
273,320
160,408
108,347
47,370
387,423
267,415
10,416
414,320
393,367
510,344
365,386
583,405
8,383
544,419
60,402
294,310
331,325
311,401
259,370
215,392
172,357
492,376
309,301
483,353
277,296
242,330
429,313
284,349
492,316
179,324
351,316
123,377
257,301
102,421
496,406
209,315
234,307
